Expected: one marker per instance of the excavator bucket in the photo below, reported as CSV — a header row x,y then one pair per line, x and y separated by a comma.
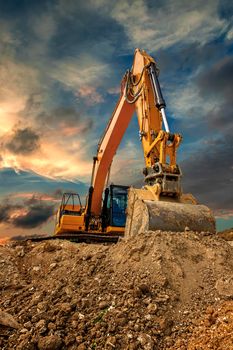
x,y
145,213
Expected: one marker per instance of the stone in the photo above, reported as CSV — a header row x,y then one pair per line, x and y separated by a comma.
x,y
24,330
53,265
8,320
41,326
152,308
111,342
50,342
51,326
28,325
79,339
65,308
146,341
224,286
36,268
103,305
144,288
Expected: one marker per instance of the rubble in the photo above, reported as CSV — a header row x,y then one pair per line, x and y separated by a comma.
x,y
158,290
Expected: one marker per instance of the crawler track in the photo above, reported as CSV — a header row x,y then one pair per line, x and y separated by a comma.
x,y
80,238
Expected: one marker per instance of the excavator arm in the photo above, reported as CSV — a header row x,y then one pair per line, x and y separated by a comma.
x,y
107,148
141,92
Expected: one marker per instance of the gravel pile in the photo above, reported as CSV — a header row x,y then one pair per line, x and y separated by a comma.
x,y
159,290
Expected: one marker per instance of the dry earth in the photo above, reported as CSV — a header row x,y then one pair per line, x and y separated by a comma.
x,y
156,291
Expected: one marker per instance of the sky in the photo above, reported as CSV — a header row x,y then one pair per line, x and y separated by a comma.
x,y
61,66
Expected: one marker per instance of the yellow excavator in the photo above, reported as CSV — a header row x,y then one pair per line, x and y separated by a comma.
x,y
112,211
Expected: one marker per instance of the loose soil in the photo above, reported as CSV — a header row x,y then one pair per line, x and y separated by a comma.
x,y
159,290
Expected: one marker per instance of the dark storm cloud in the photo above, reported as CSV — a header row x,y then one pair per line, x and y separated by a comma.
x,y
14,8
5,211
225,9
94,32
23,141
218,81
29,214
217,84
209,174
178,62
36,215
66,115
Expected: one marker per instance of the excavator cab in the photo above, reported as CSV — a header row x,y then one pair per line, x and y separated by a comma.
x,y
72,217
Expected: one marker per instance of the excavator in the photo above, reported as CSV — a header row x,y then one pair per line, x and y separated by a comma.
x,y
115,210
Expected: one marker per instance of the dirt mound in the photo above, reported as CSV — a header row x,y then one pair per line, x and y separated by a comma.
x,y
155,291
226,234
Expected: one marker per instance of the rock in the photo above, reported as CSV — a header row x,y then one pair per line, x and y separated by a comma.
x,y
36,268
69,339
25,344
20,251
137,292
79,339
69,292
111,342
224,286
8,320
28,325
41,326
50,342
24,330
121,321
51,326
146,341
144,288
53,265
65,308
82,347
42,306
49,247
152,308
103,305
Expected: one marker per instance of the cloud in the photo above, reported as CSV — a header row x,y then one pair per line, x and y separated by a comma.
x,y
168,23
209,176
64,117
209,173
23,141
84,76
217,81
5,212
90,95
31,213
17,82
31,197
36,215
